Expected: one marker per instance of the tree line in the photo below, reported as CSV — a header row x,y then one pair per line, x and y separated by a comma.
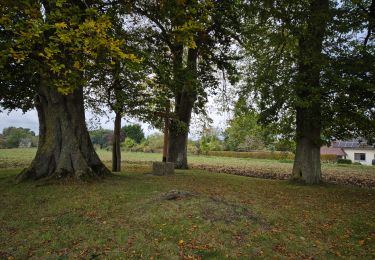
x,y
14,137
306,68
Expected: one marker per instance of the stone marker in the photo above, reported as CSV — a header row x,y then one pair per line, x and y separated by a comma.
x,y
162,168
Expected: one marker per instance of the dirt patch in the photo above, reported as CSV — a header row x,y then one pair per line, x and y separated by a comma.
x,y
217,209
177,194
333,177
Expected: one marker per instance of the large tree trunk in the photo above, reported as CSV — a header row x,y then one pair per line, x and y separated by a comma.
x,y
184,103
307,166
65,149
116,146
179,130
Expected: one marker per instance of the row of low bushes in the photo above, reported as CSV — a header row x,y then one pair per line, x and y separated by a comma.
x,y
267,155
328,158
257,155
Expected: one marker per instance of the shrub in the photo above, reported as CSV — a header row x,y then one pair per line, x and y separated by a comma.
x,y
257,155
128,144
273,155
331,158
344,161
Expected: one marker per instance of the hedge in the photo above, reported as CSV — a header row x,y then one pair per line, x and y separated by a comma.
x,y
257,155
268,155
344,161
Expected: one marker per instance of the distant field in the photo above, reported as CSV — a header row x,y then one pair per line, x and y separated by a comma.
x,y
359,175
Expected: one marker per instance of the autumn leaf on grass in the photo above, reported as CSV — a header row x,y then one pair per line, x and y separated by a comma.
x,y
181,243
361,242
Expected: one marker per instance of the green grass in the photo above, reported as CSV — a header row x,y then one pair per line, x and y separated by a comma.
x,y
231,216
22,157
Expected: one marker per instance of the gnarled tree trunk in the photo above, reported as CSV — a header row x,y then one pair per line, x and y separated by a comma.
x,y
65,149
116,145
307,166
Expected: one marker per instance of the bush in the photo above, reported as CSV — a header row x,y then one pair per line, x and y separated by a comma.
x,y
128,144
344,161
192,147
273,155
357,163
256,155
331,158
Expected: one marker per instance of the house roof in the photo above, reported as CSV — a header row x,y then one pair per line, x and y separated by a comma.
x,y
332,150
355,144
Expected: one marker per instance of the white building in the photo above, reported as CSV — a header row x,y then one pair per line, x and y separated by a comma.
x,y
356,151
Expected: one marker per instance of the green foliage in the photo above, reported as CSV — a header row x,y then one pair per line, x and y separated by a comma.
x,y
188,43
193,147
210,141
344,161
279,43
244,133
56,41
13,137
153,143
134,132
128,143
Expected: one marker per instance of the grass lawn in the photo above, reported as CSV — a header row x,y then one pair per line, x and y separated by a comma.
x,y
358,175
126,216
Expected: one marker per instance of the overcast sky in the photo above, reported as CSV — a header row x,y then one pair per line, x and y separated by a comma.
x,y
30,120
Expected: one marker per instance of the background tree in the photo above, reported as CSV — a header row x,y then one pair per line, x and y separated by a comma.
x,y
12,136
297,50
134,132
244,133
101,137
189,42
210,140
47,50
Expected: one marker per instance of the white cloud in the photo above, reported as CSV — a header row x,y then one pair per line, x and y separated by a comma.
x,y
19,119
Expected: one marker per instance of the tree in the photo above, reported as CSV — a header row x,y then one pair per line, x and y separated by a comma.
x,y
48,49
304,69
190,43
244,133
210,141
101,137
12,136
134,132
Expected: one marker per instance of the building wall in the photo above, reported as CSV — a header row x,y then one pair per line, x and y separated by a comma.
x,y
370,155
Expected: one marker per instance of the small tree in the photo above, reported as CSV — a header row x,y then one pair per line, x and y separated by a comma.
x,y
134,132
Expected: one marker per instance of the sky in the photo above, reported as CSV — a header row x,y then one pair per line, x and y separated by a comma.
x,y
30,120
